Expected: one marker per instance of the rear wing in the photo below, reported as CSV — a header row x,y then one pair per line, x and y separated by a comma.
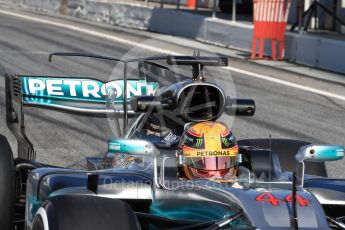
x,y
81,96
88,96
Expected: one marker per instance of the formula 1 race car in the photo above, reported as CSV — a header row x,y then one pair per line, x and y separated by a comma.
x,y
135,185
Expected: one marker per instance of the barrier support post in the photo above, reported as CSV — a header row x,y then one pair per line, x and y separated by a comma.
x,y
282,49
233,10
254,48
274,49
261,48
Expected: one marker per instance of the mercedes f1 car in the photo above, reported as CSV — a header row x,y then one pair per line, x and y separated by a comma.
x,y
134,185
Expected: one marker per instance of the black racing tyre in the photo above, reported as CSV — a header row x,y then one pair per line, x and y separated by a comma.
x,y
38,223
75,212
6,184
286,150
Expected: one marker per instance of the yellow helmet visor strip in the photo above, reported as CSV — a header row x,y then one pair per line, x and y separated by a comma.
x,y
231,152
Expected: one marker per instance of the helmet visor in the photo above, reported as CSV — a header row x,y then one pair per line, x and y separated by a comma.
x,y
211,163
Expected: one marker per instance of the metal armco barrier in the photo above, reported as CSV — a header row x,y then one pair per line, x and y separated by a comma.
x,y
270,18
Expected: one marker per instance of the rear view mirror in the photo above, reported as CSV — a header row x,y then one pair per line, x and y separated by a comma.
x,y
320,153
130,147
135,147
315,153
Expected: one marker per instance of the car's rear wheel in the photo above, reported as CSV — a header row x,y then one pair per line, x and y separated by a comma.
x,y
286,150
6,184
71,212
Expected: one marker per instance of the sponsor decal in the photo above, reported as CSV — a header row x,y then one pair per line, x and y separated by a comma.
x,y
83,89
225,141
199,142
214,153
189,139
114,146
217,153
171,138
268,197
340,153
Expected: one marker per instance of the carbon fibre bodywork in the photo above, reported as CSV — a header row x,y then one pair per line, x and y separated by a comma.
x,y
261,197
201,200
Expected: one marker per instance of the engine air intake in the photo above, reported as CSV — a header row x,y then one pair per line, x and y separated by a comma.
x,y
201,102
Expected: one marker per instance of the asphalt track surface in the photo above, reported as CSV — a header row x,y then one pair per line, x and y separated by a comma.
x,y
64,139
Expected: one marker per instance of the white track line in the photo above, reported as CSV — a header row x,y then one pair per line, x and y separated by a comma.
x,y
287,83
166,51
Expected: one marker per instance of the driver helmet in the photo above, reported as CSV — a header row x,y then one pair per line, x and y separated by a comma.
x,y
207,150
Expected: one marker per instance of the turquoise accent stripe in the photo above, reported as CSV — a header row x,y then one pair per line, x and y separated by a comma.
x,y
329,153
124,146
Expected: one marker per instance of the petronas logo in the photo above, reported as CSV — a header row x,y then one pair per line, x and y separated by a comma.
x,y
225,141
198,142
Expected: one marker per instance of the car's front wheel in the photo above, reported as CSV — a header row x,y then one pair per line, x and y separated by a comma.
x,y
6,184
72,212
